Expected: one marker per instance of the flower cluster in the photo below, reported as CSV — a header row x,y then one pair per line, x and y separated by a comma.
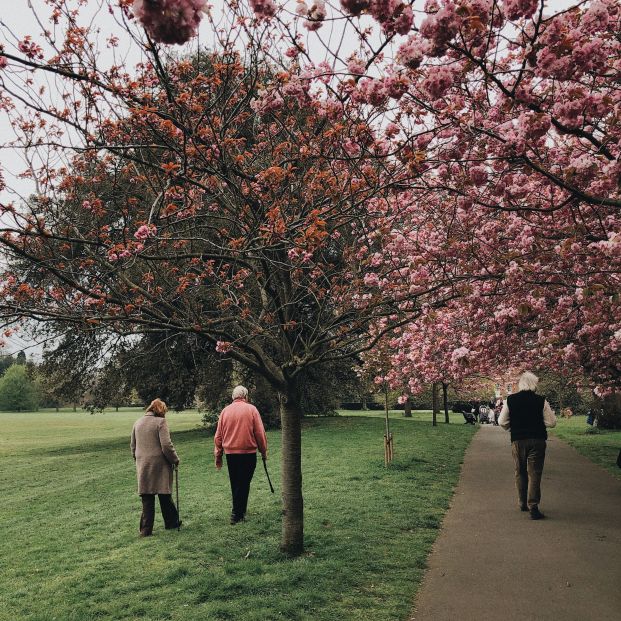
x,y
170,21
267,101
313,14
263,9
145,231
438,81
223,347
30,49
514,9
412,52
439,28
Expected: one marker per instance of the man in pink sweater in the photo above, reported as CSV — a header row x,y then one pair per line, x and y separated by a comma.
x,y
239,434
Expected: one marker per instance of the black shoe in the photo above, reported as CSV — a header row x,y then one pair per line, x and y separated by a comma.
x,y
235,519
535,514
175,526
523,508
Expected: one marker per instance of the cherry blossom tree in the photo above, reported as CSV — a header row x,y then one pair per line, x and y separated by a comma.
x,y
212,195
510,112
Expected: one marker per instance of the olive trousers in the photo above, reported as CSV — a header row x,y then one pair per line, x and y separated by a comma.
x,y
528,457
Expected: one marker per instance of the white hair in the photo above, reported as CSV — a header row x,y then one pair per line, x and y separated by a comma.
x,y
528,381
240,392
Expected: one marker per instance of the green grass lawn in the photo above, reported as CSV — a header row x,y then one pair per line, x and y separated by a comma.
x,y
70,548
602,447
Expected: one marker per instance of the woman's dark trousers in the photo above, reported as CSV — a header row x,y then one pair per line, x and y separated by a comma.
x,y
241,468
169,512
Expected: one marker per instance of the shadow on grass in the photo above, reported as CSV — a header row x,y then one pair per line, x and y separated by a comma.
x,y
114,444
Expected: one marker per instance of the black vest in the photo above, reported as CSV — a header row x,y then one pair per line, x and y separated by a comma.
x,y
526,416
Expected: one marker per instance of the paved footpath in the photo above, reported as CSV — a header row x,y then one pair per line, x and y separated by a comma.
x,y
492,562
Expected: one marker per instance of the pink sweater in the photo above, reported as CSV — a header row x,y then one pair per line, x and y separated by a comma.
x,y
240,430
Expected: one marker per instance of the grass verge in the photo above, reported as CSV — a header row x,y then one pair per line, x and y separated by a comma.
x,y
70,514
599,445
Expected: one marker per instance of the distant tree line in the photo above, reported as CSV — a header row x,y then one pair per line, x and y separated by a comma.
x,y
93,372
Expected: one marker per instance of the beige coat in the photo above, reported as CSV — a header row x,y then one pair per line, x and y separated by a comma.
x,y
154,453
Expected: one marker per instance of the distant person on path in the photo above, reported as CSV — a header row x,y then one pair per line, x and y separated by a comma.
x,y
239,434
527,415
156,458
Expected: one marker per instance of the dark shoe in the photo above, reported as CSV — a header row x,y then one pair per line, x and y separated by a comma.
x,y
523,508
235,519
175,526
145,534
535,514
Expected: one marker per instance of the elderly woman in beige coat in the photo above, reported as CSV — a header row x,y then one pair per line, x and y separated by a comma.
x,y
156,458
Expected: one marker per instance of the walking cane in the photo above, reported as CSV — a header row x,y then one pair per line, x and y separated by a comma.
x,y
177,494
268,475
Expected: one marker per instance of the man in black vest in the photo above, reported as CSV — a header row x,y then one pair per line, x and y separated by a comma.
x,y
527,415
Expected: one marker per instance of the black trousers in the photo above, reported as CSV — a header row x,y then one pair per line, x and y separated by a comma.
x,y
169,512
241,469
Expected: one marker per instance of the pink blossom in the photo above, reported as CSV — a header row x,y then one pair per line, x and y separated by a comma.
x,y
371,279
514,9
558,66
596,17
373,92
392,130
351,148
296,89
356,65
268,101
393,15
402,24
263,9
533,125
170,21
396,85
570,113
412,52
145,231
316,14
478,174
440,28
223,347
438,81
30,49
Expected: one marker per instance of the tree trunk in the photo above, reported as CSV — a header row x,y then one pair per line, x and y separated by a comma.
x,y
407,410
292,537
434,402
365,406
445,396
